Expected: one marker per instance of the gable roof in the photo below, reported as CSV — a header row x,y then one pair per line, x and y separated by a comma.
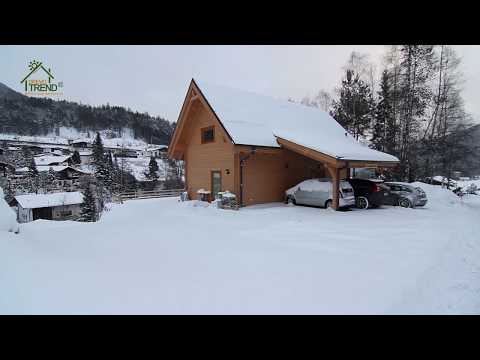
x,y
253,119
34,201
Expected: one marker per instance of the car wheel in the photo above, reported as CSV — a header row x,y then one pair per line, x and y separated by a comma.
x,y
328,204
362,202
405,203
291,200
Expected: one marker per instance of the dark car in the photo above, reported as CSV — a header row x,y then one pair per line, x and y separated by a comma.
x,y
368,193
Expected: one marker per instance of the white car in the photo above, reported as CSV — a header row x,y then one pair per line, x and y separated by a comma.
x,y
318,192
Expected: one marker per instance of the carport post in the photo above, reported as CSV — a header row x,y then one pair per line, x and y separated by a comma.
x,y
335,187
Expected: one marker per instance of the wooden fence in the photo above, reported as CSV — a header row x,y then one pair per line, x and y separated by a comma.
x,y
146,194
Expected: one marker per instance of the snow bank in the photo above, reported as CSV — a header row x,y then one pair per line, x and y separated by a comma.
x,y
438,197
8,220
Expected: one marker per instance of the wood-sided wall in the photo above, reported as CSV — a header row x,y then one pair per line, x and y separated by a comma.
x,y
202,159
267,175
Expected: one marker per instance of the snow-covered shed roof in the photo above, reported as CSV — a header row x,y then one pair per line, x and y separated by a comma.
x,y
253,119
34,201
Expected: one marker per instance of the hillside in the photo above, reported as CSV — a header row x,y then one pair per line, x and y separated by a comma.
x,y
23,115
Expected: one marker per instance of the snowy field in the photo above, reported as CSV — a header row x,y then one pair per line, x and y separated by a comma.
x,y
162,256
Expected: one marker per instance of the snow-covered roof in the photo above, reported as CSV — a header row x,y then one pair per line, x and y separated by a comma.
x,y
253,119
56,168
156,147
50,159
441,179
34,201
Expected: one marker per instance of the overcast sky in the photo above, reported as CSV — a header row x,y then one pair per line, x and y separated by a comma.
x,y
154,79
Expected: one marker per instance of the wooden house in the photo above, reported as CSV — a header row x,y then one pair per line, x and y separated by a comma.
x,y
257,147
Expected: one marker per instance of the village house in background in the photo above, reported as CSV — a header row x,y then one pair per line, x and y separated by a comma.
x,y
257,147
65,166
55,206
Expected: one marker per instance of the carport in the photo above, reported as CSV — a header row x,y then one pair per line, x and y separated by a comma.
x,y
338,167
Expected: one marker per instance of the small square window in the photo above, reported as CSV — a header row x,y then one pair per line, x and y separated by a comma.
x,y
208,134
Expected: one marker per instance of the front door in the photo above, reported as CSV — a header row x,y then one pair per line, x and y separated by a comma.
x,y
216,183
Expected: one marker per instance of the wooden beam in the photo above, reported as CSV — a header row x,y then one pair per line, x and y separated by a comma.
x,y
310,153
331,171
260,150
370,164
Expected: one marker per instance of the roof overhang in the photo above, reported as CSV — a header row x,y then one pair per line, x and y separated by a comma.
x,y
335,162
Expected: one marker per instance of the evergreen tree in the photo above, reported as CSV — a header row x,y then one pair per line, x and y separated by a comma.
x,y
33,176
384,128
354,110
76,158
103,164
98,152
25,159
153,168
88,208
51,178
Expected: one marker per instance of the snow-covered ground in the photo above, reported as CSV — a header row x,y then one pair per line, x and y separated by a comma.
x,y
163,256
8,222
466,183
138,166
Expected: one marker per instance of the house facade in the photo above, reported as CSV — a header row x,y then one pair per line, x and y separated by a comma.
x,y
257,147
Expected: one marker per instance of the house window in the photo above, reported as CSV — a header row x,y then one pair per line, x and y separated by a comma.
x,y
66,213
208,134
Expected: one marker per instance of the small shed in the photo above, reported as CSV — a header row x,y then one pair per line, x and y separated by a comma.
x,y
56,206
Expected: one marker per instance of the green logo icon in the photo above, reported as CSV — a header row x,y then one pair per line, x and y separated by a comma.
x,y
39,80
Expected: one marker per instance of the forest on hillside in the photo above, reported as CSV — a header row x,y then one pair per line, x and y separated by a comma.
x,y
25,115
411,107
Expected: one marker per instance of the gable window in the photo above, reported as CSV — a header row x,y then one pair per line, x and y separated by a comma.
x,y
208,134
